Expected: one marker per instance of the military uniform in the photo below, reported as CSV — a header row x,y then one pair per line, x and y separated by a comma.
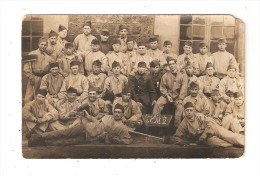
x,y
79,82
208,84
97,81
138,58
34,111
115,84
202,61
142,90
64,63
61,43
89,57
119,57
228,86
181,60
55,51
83,43
157,55
34,71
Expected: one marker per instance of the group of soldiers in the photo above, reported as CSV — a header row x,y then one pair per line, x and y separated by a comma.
x,y
100,87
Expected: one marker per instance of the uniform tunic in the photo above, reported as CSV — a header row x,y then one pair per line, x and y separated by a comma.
x,y
157,55
200,103
209,83
181,62
237,112
115,84
34,110
232,85
79,82
202,61
89,57
222,60
61,43
52,83
138,58
55,51
35,70
64,63
119,57
83,42
97,81
97,109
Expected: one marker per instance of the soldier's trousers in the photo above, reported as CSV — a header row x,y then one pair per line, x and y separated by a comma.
x,y
231,123
160,103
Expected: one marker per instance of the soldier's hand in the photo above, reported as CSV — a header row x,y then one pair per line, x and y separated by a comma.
x,y
154,102
72,114
169,99
179,102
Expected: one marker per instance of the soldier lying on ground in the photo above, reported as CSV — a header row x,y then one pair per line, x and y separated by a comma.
x,y
109,129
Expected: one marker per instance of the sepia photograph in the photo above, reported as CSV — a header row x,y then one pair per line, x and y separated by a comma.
x,y
132,86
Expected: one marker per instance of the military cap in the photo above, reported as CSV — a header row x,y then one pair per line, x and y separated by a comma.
x,y
87,23
68,45
42,92
154,63
188,105
238,94
71,90
115,64
194,85
92,89
141,64
167,42
95,42
119,106
52,34
209,64
42,39
61,28
54,64
126,90
121,27
105,32
222,40
141,44
188,43
97,63
188,64
215,92
116,41
73,63
170,58
130,39
152,39
231,66
203,44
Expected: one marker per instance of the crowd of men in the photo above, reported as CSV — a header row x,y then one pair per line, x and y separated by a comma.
x,y
100,87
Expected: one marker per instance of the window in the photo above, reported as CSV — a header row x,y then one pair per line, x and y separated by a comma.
x,y
32,30
199,28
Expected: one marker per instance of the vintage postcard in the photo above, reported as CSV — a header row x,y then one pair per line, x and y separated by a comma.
x,y
133,86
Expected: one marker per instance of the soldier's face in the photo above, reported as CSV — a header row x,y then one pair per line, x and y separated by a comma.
x,y
75,69
116,47
194,91
40,98
222,46
189,70
210,71
155,69
69,51
154,45
96,69
141,70
123,33
187,49
54,71
86,30
116,70
167,48
53,40
203,50
172,65
141,50
104,38
63,34
239,101
130,45
42,46
215,98
189,112
95,48
71,97
231,73
126,97
118,114
92,95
